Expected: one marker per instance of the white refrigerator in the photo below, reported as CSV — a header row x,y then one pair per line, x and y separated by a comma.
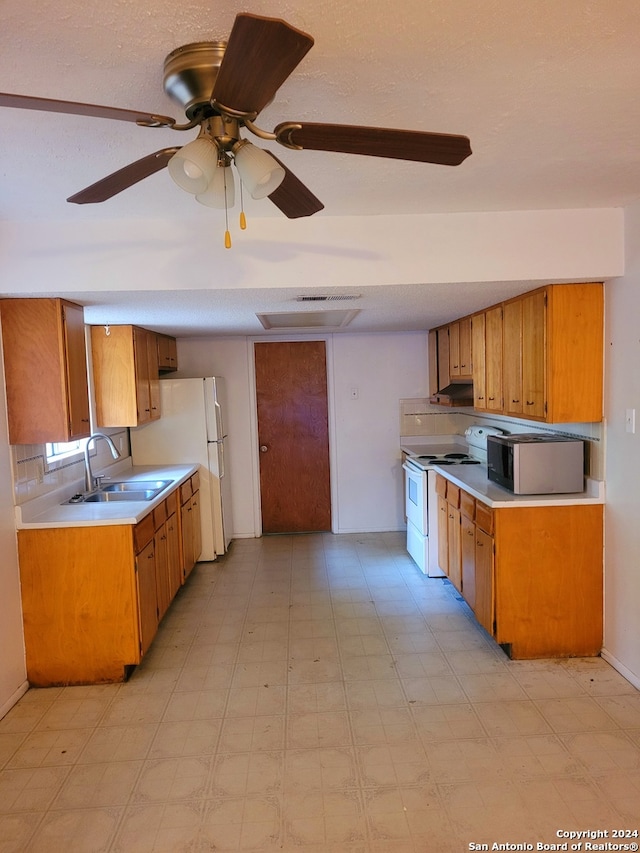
x,y
191,429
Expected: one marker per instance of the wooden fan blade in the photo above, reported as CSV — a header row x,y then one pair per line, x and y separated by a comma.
x,y
26,102
260,54
124,178
293,198
442,148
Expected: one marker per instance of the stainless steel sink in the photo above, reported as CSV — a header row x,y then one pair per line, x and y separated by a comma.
x,y
154,486
104,497
124,490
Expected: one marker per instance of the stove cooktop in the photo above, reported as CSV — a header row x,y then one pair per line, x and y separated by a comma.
x,y
446,459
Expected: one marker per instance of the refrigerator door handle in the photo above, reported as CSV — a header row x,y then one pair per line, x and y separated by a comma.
x,y
221,457
219,424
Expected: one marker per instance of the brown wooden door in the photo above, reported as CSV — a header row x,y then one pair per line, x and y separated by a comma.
x,y
293,435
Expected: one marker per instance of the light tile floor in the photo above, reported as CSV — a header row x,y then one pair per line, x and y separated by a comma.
x,y
318,694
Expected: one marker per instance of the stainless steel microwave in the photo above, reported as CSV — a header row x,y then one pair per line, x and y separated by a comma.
x,y
536,464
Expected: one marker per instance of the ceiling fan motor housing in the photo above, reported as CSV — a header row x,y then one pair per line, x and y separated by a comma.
x,y
190,73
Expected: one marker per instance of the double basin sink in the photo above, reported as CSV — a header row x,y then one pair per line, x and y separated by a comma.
x,y
127,490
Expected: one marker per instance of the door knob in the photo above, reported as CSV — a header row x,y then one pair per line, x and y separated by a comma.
x,y
263,448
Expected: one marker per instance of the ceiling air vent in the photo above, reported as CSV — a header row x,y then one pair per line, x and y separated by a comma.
x,y
328,298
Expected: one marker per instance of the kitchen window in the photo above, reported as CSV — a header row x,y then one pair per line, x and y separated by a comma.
x,y
64,452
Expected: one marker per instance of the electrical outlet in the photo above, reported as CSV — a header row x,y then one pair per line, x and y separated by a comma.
x,y
354,393
630,420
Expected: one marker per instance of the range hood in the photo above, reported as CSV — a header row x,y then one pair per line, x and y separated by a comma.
x,y
455,394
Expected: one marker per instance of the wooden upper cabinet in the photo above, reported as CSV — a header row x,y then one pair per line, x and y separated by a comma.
x,y
167,353
534,354
460,348
125,375
512,357
493,359
45,370
478,327
540,356
574,352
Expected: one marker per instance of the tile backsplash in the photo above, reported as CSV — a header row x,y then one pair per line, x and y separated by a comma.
x,y
420,417
32,477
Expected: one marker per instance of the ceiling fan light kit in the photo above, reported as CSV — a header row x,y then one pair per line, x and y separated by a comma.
x,y
260,172
221,192
222,87
194,165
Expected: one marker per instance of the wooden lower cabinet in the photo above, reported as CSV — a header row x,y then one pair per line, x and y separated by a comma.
x,y
190,524
92,597
533,576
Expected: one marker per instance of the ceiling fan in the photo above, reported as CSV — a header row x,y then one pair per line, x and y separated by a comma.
x,y
222,87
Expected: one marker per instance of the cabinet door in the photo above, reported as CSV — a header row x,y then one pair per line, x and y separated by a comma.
x,y
114,376
167,352
493,358
533,354
147,595
186,524
479,361
454,349
141,371
512,357
465,345
174,557
153,376
163,593
443,535
484,604
46,382
76,370
196,523
468,557
454,541
443,358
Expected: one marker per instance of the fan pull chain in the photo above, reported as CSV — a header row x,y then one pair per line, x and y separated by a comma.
x,y
227,235
243,218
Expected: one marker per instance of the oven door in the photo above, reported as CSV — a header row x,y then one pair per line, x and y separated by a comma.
x,y
415,502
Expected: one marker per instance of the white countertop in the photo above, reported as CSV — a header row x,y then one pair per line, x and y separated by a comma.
x,y
474,479
52,509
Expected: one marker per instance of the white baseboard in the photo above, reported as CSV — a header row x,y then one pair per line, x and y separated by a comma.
x,y
11,701
632,677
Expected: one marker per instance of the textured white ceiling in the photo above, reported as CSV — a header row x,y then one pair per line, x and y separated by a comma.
x,y
547,91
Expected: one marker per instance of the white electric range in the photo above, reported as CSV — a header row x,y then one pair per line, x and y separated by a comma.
x,y
421,504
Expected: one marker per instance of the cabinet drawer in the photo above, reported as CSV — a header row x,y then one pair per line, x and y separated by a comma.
x,y
172,503
453,495
186,491
467,505
195,482
441,486
160,515
484,517
143,532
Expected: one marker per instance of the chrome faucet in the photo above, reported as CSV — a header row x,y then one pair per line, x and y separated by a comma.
x,y
89,480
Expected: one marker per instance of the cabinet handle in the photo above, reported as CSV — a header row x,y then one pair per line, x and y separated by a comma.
x,y
480,398
492,399
530,402
515,401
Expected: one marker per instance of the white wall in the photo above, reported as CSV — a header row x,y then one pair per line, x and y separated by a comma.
x,y
622,531
384,369
13,672
157,255
366,471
